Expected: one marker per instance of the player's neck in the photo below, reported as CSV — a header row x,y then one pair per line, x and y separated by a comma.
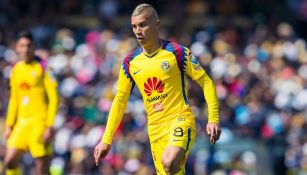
x,y
153,47
28,60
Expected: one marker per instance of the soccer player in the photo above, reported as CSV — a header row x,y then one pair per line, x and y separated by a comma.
x,y
32,108
159,69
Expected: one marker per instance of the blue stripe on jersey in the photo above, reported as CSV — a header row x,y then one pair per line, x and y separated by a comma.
x,y
183,89
180,54
133,84
126,63
179,51
189,139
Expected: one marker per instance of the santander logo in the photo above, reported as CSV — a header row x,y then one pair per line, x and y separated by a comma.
x,y
153,84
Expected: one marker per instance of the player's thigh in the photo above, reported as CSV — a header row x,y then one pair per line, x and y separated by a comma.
x,y
180,141
174,155
182,134
167,147
37,146
157,148
18,139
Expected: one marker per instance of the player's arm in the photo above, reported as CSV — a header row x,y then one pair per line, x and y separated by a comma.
x,y
212,127
123,90
198,74
208,88
118,107
12,107
115,116
51,85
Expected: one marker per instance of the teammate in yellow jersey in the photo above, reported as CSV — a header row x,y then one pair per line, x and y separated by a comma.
x,y
32,108
159,69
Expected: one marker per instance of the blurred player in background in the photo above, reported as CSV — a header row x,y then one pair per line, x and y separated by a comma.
x,y
159,69
32,109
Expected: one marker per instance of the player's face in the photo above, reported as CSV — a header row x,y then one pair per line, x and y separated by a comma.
x,y
145,28
25,48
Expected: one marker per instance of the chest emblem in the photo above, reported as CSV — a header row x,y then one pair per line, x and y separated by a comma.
x,y
165,66
33,73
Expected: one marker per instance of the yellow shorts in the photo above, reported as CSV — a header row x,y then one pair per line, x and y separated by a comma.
x,y
29,138
182,134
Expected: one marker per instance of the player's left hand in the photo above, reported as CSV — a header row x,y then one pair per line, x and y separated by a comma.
x,y
214,132
101,150
48,135
7,132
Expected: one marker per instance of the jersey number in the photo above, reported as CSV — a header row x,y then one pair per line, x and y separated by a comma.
x,y
178,132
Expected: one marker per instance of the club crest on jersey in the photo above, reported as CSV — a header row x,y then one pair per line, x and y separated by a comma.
x,y
34,73
165,66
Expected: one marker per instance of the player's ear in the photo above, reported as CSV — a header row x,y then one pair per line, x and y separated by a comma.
x,y
157,24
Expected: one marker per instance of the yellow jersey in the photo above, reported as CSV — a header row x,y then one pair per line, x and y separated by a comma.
x,y
161,79
34,97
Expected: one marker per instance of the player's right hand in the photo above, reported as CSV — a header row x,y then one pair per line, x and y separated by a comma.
x,y
101,150
8,131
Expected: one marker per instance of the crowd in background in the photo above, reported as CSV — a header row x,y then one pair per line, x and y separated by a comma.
x,y
258,63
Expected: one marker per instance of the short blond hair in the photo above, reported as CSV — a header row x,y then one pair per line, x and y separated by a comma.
x,y
145,8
